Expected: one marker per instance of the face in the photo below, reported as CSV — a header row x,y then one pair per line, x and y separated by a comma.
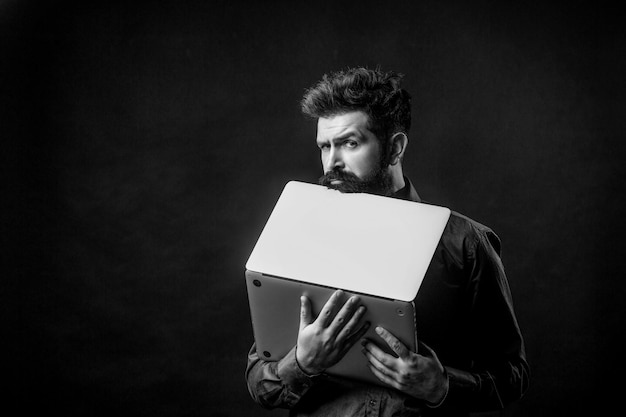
x,y
351,154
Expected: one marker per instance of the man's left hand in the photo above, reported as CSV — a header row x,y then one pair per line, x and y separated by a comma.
x,y
419,375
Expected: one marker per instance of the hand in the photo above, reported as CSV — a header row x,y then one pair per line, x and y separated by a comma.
x,y
323,342
421,376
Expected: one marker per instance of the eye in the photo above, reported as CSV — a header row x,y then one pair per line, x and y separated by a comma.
x,y
351,144
323,146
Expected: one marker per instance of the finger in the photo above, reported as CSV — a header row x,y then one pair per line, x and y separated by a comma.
x,y
376,362
306,317
426,351
348,318
328,311
351,340
396,345
382,373
381,357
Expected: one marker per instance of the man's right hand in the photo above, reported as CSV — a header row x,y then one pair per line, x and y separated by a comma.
x,y
324,341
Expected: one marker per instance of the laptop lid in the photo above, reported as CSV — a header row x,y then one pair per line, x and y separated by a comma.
x,y
361,243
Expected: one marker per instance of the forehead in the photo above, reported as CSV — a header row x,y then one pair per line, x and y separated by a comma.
x,y
345,124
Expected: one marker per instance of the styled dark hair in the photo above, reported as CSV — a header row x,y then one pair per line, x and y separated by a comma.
x,y
376,93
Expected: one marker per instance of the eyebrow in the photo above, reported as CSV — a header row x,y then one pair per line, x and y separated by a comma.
x,y
346,135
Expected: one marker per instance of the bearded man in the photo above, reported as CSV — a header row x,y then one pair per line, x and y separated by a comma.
x,y
472,355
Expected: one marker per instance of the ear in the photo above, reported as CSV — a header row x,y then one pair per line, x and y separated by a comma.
x,y
398,144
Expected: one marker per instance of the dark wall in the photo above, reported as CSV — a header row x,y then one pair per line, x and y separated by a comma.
x,y
144,145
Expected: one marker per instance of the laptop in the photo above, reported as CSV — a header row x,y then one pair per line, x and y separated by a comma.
x,y
318,240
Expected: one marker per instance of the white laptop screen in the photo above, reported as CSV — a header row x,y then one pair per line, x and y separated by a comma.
x,y
357,242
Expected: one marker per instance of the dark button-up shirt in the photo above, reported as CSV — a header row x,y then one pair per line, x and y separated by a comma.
x,y
464,312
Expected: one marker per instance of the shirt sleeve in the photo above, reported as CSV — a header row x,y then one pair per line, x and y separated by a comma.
x,y
278,384
500,373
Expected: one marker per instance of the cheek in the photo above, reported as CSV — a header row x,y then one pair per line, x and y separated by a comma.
x,y
323,159
365,164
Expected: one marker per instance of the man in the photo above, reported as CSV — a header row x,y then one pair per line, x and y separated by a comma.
x,y
471,351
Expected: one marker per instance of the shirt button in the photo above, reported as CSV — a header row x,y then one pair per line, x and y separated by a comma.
x,y
372,403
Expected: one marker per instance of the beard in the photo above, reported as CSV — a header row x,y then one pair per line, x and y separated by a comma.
x,y
379,182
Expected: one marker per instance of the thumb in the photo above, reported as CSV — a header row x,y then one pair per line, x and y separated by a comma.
x,y
305,312
425,350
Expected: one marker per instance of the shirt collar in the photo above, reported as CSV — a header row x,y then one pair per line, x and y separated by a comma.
x,y
407,192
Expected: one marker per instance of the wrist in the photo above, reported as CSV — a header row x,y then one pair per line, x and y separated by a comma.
x,y
304,369
441,392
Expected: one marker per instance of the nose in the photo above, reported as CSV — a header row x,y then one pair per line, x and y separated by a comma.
x,y
333,160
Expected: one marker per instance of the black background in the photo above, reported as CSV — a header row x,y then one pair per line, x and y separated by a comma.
x,y
145,143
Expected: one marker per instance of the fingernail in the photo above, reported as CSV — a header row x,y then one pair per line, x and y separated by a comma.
x,y
379,330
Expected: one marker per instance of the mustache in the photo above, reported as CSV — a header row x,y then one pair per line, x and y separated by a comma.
x,y
350,183
379,182
338,175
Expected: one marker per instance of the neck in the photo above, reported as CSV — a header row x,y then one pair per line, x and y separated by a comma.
x,y
397,177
